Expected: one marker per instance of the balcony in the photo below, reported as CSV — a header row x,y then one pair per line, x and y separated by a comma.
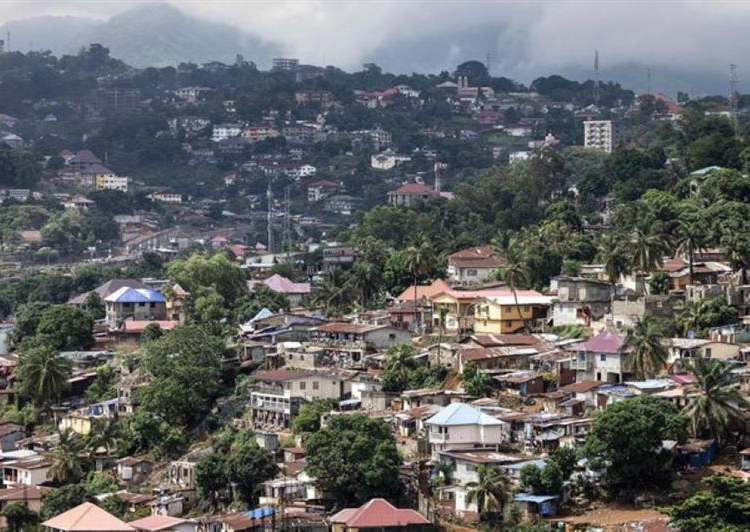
x,y
586,364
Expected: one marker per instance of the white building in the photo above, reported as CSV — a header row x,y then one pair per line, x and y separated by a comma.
x,y
225,131
518,156
387,160
190,94
166,197
601,134
461,426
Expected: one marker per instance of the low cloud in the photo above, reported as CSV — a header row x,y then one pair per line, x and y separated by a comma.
x,y
532,37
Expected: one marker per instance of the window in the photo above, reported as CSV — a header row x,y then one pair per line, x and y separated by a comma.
x,y
316,385
141,304
302,385
602,357
392,336
708,352
508,323
471,273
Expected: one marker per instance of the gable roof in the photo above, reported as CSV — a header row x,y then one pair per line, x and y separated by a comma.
x,y
104,290
85,157
414,189
279,283
135,295
462,414
604,342
481,256
157,522
87,517
424,291
378,513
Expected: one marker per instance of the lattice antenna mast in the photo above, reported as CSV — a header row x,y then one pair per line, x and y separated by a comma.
x,y
648,80
596,77
734,97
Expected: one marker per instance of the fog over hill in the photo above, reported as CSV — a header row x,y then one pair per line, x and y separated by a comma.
x,y
522,40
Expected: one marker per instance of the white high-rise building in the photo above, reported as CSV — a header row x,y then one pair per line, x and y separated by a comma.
x,y
601,134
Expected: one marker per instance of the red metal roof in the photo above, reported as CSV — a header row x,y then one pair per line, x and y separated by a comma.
x,y
378,513
604,342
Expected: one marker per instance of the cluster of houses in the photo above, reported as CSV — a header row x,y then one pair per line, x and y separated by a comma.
x,y
545,388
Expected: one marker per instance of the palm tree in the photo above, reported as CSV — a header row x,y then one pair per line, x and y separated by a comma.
x,y
491,493
366,279
613,257
718,403
647,353
333,293
66,460
515,274
690,239
691,316
649,246
42,374
420,258
105,433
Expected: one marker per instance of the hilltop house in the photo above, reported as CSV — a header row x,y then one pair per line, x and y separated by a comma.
x,y
407,195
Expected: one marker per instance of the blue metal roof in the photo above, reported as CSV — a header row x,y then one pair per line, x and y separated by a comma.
x,y
259,513
538,499
462,414
541,464
127,294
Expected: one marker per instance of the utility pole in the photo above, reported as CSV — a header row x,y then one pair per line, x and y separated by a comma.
x,y
734,98
648,80
287,222
269,217
596,77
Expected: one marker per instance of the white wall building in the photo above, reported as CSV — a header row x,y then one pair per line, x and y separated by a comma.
x,y
461,426
225,131
601,134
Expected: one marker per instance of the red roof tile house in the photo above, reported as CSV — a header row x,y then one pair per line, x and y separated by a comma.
x,y
407,194
474,265
378,514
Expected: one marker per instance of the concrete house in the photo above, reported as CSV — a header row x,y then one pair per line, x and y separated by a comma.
x,y
461,426
474,265
276,396
378,515
140,304
578,300
602,358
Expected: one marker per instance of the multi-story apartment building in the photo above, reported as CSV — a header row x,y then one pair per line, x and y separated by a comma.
x,y
276,396
601,134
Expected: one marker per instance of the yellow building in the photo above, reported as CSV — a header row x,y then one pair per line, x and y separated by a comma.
x,y
489,311
110,181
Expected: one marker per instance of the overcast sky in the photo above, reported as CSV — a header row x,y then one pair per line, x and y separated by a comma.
x,y
535,35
